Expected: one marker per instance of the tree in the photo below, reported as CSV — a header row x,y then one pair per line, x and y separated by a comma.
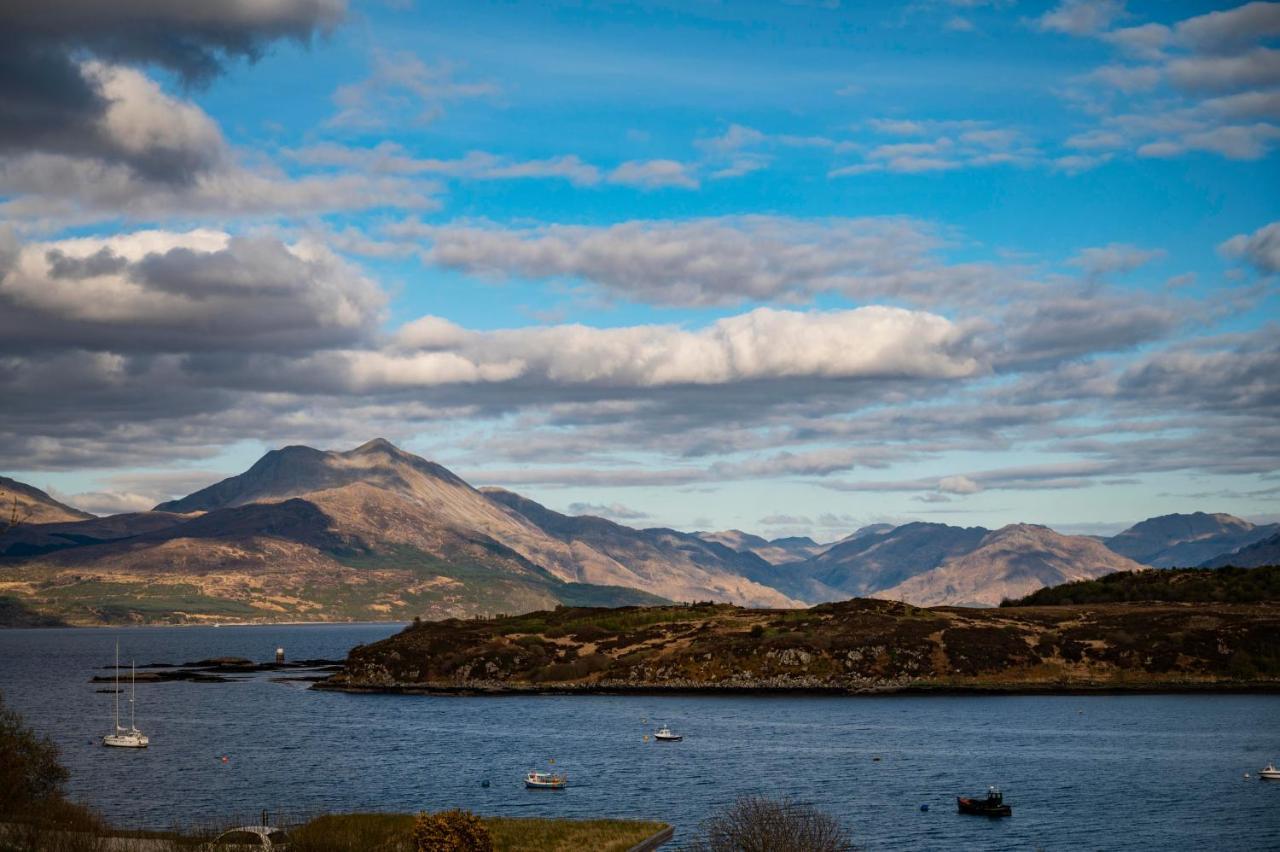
x,y
30,773
14,517
758,824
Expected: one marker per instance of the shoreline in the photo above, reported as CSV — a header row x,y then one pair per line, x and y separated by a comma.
x,y
220,624
906,690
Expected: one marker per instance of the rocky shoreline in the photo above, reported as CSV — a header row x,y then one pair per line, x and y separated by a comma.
x,y
804,687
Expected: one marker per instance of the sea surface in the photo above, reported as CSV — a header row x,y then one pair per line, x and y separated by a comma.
x,y
1100,772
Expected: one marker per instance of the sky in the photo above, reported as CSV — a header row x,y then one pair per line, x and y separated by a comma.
x,y
783,266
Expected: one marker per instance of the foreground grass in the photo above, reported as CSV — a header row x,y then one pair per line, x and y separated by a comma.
x,y
392,832
80,831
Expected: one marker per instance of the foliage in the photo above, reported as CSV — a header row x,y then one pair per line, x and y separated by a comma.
x,y
382,832
758,824
450,831
30,774
1185,585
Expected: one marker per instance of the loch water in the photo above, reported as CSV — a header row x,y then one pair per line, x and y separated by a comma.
x,y
1096,772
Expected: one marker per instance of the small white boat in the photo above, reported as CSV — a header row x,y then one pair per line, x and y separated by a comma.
x,y
665,735
1269,772
123,737
545,780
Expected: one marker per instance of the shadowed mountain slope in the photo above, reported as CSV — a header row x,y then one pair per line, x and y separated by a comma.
x,y
876,560
1008,563
1265,552
1187,540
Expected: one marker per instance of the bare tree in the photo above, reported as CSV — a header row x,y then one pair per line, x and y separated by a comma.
x,y
758,824
16,516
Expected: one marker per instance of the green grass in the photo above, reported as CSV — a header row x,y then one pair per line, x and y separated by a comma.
x,y
118,601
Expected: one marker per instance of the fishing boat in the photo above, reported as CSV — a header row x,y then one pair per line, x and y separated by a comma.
x,y
545,780
993,805
1269,772
665,735
123,737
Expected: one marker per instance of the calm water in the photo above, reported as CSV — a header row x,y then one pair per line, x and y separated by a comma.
x,y
1131,772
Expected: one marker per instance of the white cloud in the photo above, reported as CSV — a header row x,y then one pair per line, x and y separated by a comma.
x,y
1257,67
958,485
720,261
1114,258
1127,78
402,87
1230,29
192,291
763,344
388,158
1261,248
1080,17
654,174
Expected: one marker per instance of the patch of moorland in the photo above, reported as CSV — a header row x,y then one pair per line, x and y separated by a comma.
x,y
1185,585
394,583
860,645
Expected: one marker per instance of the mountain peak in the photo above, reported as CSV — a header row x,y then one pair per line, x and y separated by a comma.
x,y
377,445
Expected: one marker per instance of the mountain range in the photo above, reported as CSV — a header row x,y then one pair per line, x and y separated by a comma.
x,y
380,533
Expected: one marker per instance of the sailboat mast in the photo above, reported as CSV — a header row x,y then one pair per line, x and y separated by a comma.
x,y
117,686
133,687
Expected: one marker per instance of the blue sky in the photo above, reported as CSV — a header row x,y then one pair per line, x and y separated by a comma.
x,y
783,266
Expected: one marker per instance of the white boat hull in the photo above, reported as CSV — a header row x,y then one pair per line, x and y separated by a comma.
x,y
1270,776
126,740
670,738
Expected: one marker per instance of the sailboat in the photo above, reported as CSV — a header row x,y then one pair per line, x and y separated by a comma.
x,y
130,737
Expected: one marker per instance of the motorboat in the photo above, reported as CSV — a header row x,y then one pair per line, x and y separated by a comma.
x,y
1269,772
546,780
123,737
665,735
993,805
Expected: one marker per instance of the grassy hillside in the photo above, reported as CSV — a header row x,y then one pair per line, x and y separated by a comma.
x,y
858,645
1188,585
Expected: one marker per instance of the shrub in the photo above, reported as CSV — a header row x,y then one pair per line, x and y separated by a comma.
x,y
450,831
757,824
757,630
30,774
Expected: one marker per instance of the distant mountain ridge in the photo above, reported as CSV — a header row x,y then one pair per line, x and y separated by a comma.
x,y
1187,540
1264,552
379,533
1008,563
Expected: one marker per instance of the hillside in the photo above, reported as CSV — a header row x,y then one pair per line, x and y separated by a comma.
x,y
1264,552
683,565
852,646
1186,540
1009,562
27,504
373,533
875,560
1185,585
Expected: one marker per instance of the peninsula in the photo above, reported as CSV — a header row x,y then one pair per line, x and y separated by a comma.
x,y
851,647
